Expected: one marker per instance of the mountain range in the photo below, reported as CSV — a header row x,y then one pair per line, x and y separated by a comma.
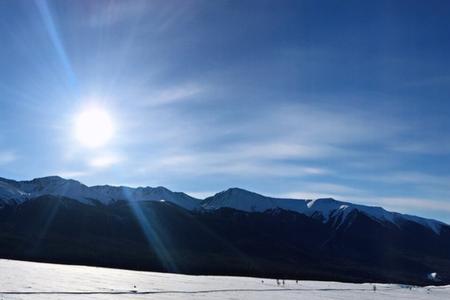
x,y
234,232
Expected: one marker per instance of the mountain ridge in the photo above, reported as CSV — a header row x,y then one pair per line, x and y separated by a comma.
x,y
20,191
327,207
12,191
234,232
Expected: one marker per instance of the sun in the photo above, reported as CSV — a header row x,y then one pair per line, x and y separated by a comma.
x,y
94,127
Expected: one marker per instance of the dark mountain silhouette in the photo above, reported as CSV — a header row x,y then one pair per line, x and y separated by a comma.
x,y
268,238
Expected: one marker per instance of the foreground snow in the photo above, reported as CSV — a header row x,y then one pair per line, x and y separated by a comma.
x,y
27,280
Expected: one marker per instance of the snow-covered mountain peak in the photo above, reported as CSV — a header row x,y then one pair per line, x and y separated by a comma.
x,y
239,199
18,191
50,179
323,209
235,191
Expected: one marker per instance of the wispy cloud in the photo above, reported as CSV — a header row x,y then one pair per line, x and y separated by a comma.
x,y
423,146
411,203
419,178
114,12
71,174
310,195
283,140
105,160
286,150
173,94
314,190
234,163
7,157
326,187
406,177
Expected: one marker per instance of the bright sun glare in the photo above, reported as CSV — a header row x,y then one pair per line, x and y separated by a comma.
x,y
94,127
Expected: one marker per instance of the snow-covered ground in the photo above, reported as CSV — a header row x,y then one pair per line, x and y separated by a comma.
x,y
27,280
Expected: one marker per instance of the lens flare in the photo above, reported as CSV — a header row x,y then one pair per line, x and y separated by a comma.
x,y
94,127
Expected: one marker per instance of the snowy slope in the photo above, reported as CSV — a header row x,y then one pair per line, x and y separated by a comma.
x,y
28,280
11,194
19,191
324,209
115,193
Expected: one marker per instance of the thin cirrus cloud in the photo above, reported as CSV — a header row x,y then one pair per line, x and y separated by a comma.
x,y
423,147
265,144
160,16
419,178
96,164
412,203
7,157
314,190
230,164
426,181
173,94
70,174
105,160
114,12
303,130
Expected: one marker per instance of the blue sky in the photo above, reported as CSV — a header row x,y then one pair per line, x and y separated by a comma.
x,y
307,99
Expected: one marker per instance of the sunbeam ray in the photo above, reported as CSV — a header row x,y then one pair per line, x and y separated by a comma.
x,y
56,41
151,235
